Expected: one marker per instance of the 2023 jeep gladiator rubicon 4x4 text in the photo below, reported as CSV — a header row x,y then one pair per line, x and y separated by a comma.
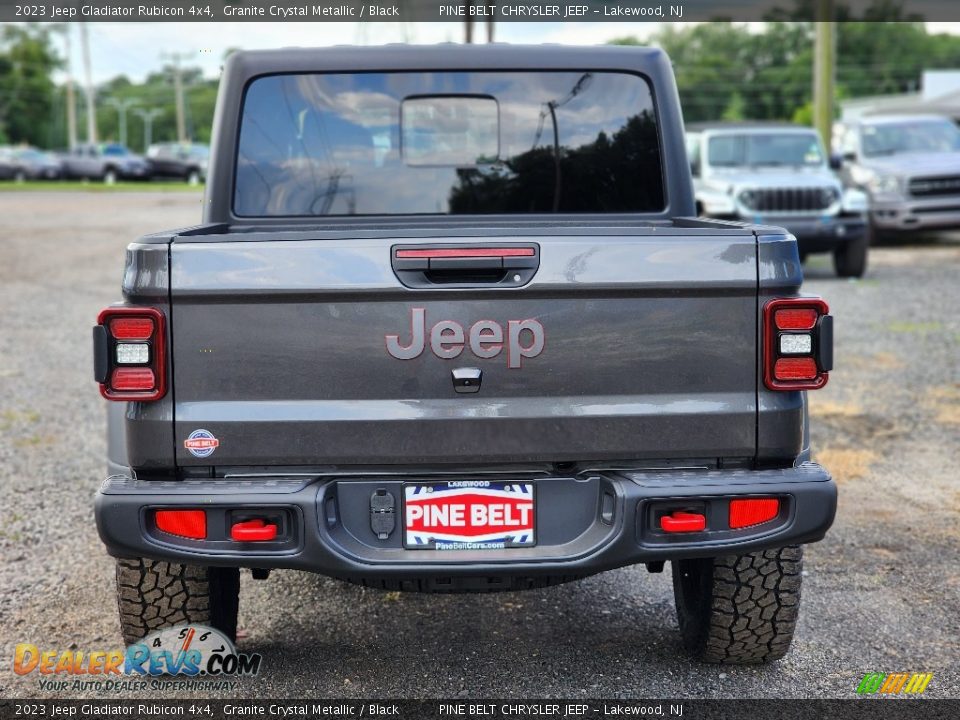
x,y
449,326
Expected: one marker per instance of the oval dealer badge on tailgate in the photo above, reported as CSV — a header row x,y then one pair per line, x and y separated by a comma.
x,y
201,443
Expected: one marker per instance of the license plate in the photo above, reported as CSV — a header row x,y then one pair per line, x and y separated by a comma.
x,y
468,515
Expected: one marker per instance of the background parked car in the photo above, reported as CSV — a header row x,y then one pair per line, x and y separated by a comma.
x,y
109,163
174,160
909,165
8,164
35,164
777,174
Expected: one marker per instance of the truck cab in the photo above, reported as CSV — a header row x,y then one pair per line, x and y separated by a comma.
x,y
448,325
778,174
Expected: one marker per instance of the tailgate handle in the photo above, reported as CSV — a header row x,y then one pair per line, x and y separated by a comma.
x,y
448,265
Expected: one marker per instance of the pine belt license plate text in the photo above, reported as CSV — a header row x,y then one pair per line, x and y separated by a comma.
x,y
468,515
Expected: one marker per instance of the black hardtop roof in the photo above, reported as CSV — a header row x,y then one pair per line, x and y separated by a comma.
x,y
446,56
244,66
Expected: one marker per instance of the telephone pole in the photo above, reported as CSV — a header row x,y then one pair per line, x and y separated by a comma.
x,y
91,96
175,58
147,116
824,71
65,28
122,105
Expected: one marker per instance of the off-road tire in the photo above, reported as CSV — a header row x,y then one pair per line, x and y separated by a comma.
x,y
850,259
153,594
739,609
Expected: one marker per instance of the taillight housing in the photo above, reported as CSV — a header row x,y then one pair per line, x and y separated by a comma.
x,y
129,350
797,344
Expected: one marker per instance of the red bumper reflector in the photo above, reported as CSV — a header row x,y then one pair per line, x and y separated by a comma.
x,y
753,511
132,379
183,523
680,522
253,531
466,252
131,328
802,368
796,319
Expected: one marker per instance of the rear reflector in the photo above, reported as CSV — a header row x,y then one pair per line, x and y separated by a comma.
x,y
796,319
467,252
132,379
133,328
183,523
800,368
753,511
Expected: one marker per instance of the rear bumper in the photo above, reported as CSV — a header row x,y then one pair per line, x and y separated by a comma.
x,y
928,214
586,524
821,234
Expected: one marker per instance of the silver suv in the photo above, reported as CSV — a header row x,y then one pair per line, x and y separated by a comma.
x,y
777,174
908,164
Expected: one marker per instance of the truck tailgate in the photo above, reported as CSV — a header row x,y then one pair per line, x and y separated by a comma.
x,y
649,349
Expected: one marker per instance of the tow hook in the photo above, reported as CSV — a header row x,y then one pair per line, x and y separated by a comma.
x,y
681,522
256,530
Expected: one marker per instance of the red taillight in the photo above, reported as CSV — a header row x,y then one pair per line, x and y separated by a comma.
x,y
183,523
753,511
804,368
130,354
797,344
796,319
132,379
131,328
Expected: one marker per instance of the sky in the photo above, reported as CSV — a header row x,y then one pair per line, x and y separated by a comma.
x,y
135,49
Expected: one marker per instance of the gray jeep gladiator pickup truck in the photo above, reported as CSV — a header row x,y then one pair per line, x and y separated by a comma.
x,y
449,326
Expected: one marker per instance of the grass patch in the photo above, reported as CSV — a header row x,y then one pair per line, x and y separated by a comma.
x,y
915,327
80,186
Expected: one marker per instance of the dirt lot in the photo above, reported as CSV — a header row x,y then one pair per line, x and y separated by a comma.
x,y
881,592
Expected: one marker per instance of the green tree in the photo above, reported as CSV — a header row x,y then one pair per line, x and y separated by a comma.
x,y
728,71
28,95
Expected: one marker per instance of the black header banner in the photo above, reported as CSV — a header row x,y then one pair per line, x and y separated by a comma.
x,y
463,709
479,10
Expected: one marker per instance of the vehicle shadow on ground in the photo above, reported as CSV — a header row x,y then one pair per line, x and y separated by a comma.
x,y
586,639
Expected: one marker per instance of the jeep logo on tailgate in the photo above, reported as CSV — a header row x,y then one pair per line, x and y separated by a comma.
x,y
524,339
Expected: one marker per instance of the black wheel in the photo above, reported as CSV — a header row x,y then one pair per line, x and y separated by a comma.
x,y
193,177
110,176
850,259
19,176
154,594
739,609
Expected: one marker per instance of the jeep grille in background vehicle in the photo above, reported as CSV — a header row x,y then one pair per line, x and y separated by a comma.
x,y
129,351
797,344
935,186
789,200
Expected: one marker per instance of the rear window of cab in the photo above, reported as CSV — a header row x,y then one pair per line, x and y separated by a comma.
x,y
401,143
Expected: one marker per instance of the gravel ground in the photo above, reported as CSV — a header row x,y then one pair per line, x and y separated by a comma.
x,y
881,592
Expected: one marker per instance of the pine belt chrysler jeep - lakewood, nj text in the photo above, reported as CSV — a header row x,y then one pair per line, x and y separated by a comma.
x,y
449,325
